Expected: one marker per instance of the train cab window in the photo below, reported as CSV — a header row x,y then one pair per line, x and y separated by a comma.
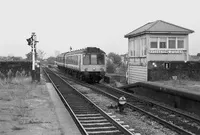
x,y
100,59
93,59
86,59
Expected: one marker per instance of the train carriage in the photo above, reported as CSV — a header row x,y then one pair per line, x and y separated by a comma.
x,y
86,64
60,60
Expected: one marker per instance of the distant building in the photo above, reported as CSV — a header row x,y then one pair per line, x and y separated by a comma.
x,y
155,41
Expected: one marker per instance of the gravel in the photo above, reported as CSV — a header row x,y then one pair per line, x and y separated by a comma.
x,y
141,124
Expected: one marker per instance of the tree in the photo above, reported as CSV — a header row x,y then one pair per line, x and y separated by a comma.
x,y
40,54
51,60
122,69
29,56
198,54
116,59
110,67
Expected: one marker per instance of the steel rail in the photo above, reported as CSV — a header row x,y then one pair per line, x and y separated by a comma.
x,y
169,125
164,122
114,122
154,103
80,127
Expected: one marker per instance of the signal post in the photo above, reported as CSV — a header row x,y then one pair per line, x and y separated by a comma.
x,y
32,41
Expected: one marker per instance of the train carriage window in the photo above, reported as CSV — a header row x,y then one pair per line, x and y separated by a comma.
x,y
65,60
93,59
72,59
76,60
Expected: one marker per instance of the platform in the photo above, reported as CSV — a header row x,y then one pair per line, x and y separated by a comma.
x,y
182,98
66,122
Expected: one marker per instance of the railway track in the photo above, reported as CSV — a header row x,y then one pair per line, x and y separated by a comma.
x,y
172,118
176,120
89,118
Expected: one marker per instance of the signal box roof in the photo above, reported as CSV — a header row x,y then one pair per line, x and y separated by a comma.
x,y
158,27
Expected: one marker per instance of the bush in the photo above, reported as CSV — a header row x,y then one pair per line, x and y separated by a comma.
x,y
17,74
110,67
122,69
9,74
23,74
2,76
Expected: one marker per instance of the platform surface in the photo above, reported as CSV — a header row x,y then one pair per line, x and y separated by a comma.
x,y
189,89
185,86
66,122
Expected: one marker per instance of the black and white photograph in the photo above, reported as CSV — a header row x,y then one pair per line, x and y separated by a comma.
x,y
99,67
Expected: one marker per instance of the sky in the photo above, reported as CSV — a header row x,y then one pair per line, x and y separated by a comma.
x,y
60,24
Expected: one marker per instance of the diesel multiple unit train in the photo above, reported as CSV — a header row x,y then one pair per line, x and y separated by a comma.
x,y
86,64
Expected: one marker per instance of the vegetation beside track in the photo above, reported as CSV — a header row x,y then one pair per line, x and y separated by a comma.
x,y
24,107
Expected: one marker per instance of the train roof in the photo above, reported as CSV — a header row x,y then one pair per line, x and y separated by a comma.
x,y
84,50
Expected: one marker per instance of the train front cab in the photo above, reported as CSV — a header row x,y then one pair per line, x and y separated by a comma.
x,y
93,66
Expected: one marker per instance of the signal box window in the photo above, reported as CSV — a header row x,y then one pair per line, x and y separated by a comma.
x,y
180,43
172,43
154,43
163,43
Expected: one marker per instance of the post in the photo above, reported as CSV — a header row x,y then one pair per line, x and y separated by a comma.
x,y
32,41
33,36
33,51
121,103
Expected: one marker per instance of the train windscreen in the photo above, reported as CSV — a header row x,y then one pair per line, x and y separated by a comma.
x,y
93,59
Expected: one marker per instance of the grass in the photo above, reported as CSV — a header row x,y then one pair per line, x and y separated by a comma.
x,y
16,89
17,128
25,107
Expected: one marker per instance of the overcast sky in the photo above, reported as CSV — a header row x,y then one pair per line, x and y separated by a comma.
x,y
60,24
